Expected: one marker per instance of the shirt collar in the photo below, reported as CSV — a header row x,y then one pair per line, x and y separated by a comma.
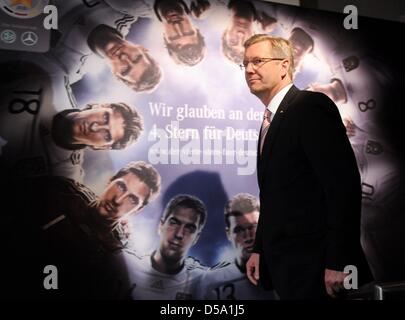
x,y
275,102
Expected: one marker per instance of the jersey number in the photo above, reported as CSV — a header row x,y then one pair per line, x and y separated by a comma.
x,y
369,105
19,105
228,290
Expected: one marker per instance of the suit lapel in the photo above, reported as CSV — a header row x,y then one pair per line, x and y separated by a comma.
x,y
263,159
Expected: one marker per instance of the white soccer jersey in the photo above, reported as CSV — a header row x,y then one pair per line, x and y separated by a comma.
x,y
149,284
365,82
378,165
27,105
226,282
78,19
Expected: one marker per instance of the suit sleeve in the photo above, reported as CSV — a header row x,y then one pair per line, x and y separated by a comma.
x,y
257,248
328,150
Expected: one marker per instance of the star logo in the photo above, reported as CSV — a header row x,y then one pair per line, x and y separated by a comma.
x,y
29,38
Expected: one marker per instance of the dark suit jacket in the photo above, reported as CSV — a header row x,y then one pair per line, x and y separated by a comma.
x,y
310,197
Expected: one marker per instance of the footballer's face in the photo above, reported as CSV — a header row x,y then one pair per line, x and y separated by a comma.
x,y
241,233
178,233
123,196
98,127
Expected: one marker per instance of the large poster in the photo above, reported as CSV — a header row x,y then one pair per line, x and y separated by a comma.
x,y
134,137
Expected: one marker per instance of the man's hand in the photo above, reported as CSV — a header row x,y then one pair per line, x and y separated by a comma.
x,y
334,282
350,127
252,268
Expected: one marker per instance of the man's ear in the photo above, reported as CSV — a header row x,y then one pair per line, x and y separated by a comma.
x,y
197,237
160,227
285,64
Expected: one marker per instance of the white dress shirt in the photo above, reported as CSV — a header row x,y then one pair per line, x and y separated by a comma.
x,y
275,102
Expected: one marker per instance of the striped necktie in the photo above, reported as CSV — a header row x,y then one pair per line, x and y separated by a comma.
x,y
265,128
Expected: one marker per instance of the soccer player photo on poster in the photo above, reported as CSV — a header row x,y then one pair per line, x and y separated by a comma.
x,y
129,138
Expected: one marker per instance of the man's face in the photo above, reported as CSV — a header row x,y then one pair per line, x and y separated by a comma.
x,y
240,30
267,75
123,196
178,233
300,49
241,234
98,127
128,62
179,31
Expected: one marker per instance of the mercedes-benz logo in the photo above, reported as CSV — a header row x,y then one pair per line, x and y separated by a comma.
x,y
29,38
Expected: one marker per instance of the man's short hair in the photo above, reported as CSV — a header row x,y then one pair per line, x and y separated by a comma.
x,y
186,201
178,5
239,205
146,173
281,48
133,123
189,54
243,8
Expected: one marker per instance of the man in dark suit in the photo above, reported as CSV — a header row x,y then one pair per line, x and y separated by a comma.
x,y
310,190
